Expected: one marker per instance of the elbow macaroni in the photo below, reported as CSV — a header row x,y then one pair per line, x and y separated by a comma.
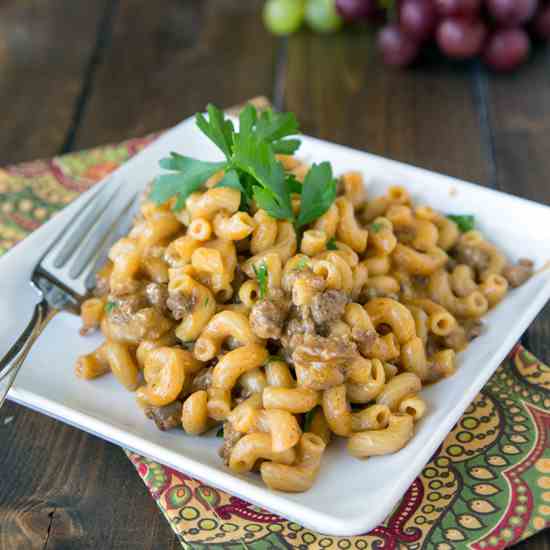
x,y
362,307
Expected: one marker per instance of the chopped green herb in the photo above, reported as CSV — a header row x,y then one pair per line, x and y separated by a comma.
x,y
262,274
219,433
274,358
331,244
465,222
250,166
302,264
109,306
376,227
308,419
206,301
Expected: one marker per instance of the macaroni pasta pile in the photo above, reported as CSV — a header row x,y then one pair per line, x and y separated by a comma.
x,y
222,318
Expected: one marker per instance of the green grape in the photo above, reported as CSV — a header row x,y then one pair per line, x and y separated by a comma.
x,y
283,16
321,16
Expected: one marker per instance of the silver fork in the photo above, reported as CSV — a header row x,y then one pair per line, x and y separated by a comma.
x,y
64,275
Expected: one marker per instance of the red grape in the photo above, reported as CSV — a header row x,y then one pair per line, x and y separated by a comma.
x,y
465,8
541,23
460,37
397,47
417,18
512,12
353,10
506,49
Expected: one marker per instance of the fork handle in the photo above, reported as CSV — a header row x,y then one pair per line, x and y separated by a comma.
x,y
16,355
6,361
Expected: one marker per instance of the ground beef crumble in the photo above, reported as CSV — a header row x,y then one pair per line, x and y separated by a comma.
x,y
126,306
180,304
472,256
318,349
166,417
267,318
230,438
517,274
328,306
157,294
473,329
202,380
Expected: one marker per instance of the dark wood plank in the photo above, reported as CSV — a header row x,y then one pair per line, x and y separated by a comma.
x,y
45,48
341,91
540,541
62,488
166,62
519,112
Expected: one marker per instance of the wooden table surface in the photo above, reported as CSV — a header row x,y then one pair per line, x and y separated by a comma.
x,y
78,74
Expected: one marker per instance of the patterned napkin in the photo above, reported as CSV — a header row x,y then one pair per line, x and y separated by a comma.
x,y
487,487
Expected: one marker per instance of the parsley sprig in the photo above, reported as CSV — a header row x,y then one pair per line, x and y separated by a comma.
x,y
465,222
262,275
251,166
376,227
331,244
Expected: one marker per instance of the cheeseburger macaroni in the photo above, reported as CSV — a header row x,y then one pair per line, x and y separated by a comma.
x,y
216,317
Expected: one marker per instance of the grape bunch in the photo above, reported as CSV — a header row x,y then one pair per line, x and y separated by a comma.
x,y
501,32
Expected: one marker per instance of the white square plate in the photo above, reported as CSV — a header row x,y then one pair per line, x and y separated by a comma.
x,y
350,496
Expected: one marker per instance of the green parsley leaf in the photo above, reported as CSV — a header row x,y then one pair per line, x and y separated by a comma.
x,y
206,300
262,274
331,244
256,158
219,129
318,193
219,433
230,179
247,119
189,175
376,227
268,202
286,146
465,222
293,185
109,306
308,419
272,126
